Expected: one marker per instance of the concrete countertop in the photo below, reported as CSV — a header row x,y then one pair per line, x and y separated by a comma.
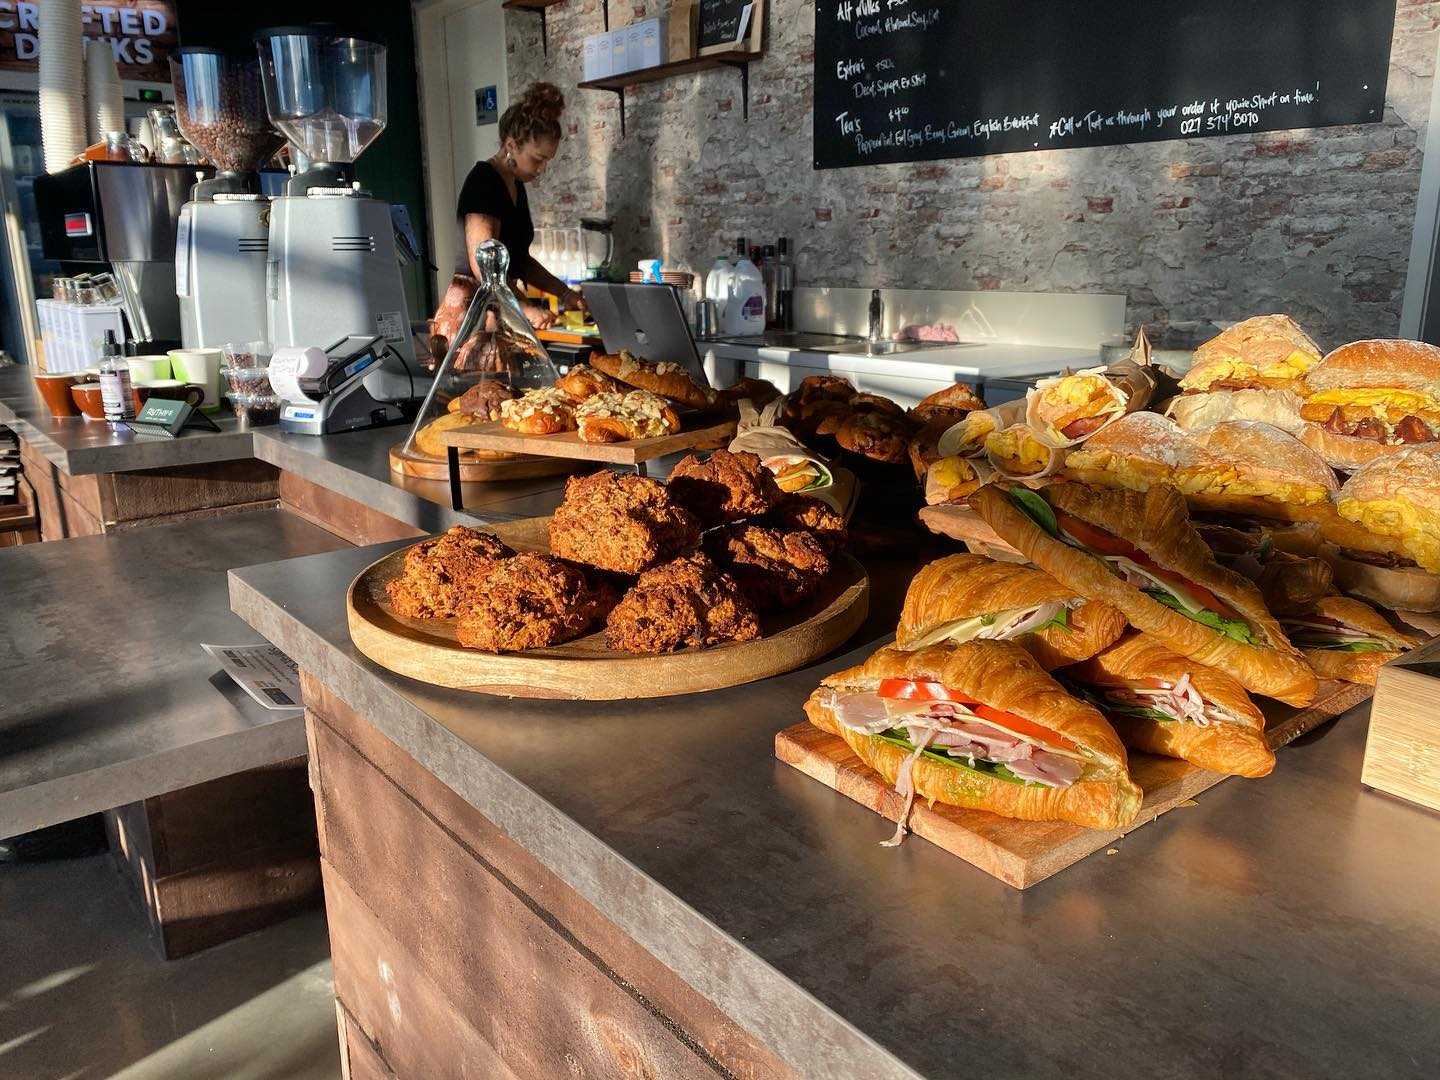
x,y
356,464
1286,926
105,694
80,446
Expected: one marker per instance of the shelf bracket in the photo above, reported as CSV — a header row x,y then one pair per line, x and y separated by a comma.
x,y
620,92
744,68
605,6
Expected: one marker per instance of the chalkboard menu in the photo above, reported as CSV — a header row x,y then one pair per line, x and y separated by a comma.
x,y
720,22
917,80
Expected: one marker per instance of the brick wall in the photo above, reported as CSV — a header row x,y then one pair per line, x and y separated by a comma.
x,y
1316,223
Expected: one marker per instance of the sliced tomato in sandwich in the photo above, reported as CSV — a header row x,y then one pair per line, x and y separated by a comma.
x,y
925,690
1106,543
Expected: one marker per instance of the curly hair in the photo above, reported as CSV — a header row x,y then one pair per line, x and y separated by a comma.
x,y
534,115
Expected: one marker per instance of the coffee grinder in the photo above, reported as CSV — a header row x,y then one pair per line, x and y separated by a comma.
x,y
334,273
223,235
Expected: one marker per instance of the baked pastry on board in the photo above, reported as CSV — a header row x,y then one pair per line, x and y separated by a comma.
x,y
687,603
443,573
668,380
531,601
609,417
620,522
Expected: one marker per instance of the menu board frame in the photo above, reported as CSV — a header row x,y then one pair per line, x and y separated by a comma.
x,y
753,42
927,80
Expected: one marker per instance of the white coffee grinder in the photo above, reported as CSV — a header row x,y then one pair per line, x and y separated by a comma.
x,y
333,270
223,234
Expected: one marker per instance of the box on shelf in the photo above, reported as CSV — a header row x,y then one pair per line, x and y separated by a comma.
x,y
619,59
682,30
597,63
71,334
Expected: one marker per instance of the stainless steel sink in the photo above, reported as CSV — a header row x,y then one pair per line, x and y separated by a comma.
x,y
838,343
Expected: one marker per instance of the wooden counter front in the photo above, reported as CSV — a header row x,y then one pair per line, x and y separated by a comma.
x,y
457,953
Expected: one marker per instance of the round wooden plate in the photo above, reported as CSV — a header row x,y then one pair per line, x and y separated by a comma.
x,y
518,467
585,669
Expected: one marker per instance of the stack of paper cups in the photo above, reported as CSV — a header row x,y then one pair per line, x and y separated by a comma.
x,y
62,83
105,106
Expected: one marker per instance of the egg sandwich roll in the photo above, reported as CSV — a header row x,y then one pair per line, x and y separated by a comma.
x,y
1163,703
1138,552
1397,497
979,725
1264,352
1240,466
1369,399
972,598
1345,639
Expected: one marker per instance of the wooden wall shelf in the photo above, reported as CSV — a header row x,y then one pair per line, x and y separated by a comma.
x,y
738,59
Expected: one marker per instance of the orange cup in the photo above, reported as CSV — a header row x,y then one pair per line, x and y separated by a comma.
x,y
87,397
55,392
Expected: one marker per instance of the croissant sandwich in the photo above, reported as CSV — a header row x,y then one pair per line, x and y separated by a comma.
x,y
1345,639
979,725
1067,409
1390,580
1372,398
1162,703
971,598
1138,552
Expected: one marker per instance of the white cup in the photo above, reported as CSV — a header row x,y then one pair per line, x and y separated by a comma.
x,y
148,368
200,366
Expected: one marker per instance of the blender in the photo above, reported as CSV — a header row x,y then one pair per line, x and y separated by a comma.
x,y
597,246
223,234
334,272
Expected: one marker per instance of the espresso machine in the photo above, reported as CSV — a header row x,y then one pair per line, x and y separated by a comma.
x,y
223,237
333,270
120,217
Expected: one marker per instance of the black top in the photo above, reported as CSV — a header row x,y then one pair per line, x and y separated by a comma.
x,y
485,193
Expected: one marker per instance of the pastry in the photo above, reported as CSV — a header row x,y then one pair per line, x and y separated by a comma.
x,y
546,411
606,417
583,381
668,380
442,574
724,487
532,601
687,603
774,568
620,522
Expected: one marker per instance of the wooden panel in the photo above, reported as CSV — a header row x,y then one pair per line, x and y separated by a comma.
x,y
77,520
190,515
359,1058
220,859
595,938
1021,853
45,480
344,517
586,668
394,1003
181,488
1402,750
86,490
568,444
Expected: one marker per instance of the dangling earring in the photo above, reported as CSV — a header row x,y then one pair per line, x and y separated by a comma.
x,y
509,159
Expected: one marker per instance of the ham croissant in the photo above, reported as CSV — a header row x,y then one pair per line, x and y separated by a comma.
x,y
1029,727
1213,724
965,597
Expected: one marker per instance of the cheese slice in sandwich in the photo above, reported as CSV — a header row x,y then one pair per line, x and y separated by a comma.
x,y
1163,703
1138,552
979,725
969,597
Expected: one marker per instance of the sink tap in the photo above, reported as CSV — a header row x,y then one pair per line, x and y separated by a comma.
x,y
877,317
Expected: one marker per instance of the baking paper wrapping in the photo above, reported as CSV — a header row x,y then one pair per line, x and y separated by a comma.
x,y
759,432
1132,385
966,438
1055,456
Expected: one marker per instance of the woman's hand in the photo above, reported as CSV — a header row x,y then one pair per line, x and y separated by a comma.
x,y
575,300
540,317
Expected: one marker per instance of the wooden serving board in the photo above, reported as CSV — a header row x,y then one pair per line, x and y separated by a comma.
x,y
568,444
521,467
1021,853
584,669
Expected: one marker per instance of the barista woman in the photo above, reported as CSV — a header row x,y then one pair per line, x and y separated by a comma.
x,y
493,204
